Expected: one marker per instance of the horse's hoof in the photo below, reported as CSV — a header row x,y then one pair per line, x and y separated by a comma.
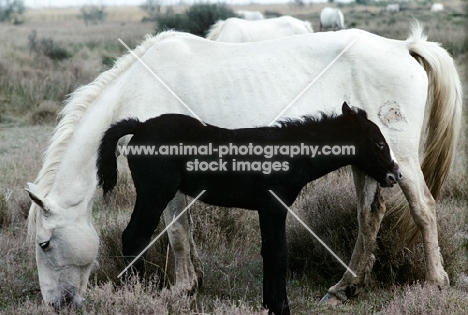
x,y
330,299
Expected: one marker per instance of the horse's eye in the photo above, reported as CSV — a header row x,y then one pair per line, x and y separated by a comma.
x,y
380,145
44,245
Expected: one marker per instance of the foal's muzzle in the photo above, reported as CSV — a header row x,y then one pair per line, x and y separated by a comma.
x,y
392,177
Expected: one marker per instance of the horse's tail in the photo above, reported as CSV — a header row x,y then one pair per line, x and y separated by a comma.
x,y
443,108
107,158
215,30
442,117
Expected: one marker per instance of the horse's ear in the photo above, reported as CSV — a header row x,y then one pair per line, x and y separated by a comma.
x,y
32,190
345,109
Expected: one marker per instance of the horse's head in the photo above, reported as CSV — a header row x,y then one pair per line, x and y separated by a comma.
x,y
372,153
66,249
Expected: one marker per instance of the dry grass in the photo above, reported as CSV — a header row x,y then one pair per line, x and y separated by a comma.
x,y
31,88
417,299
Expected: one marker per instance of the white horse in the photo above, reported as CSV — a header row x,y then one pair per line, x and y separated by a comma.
x,y
331,18
410,89
437,7
392,8
250,15
235,30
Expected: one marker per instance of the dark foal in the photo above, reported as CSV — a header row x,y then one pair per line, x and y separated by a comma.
x,y
158,177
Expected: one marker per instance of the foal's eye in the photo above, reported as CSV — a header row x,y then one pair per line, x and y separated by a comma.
x,y
44,245
380,145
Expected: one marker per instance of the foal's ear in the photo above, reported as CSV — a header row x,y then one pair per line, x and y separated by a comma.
x,y
345,109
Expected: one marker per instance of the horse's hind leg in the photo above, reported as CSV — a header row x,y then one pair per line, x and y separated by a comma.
x,y
371,210
423,211
189,272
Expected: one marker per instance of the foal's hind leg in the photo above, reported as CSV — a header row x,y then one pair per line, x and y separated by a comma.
x,y
275,258
189,272
371,210
423,211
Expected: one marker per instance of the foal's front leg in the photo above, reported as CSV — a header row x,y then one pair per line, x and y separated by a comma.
x,y
371,210
275,259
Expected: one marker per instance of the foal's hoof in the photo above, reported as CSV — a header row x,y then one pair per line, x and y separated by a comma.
x,y
330,299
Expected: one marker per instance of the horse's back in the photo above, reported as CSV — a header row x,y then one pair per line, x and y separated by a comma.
x,y
235,30
251,83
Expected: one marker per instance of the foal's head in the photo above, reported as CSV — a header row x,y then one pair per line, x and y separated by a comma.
x,y
372,153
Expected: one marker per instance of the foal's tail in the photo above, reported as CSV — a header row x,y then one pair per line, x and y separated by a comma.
x,y
442,118
107,158
443,108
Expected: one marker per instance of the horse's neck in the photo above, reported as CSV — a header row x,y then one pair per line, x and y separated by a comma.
x,y
75,179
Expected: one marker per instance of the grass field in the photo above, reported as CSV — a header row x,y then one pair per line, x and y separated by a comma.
x,y
32,89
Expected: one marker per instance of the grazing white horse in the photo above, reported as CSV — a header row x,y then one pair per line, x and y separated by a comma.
x,y
331,18
250,15
410,89
437,7
234,30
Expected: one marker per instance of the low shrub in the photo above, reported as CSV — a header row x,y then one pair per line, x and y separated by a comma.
x,y
47,47
45,113
197,19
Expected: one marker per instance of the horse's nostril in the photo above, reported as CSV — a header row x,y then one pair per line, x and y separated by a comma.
x,y
400,176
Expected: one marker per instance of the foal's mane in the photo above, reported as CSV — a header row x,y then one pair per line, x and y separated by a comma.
x,y
76,106
321,118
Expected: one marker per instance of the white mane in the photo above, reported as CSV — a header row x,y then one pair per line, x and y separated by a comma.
x,y
75,107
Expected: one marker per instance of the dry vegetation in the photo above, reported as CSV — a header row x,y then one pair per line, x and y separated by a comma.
x,y
32,87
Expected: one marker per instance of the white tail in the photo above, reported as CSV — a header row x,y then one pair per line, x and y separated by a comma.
x,y
443,107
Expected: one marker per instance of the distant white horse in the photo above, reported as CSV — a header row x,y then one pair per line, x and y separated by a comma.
x,y
437,7
331,18
392,8
250,15
410,89
234,30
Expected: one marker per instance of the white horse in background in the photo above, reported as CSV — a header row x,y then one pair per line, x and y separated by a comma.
x,y
331,18
392,8
235,30
437,7
410,89
250,15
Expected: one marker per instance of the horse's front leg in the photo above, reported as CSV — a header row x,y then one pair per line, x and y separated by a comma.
x,y
189,271
371,210
275,259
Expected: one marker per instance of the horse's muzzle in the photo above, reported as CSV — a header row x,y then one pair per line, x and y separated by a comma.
x,y
68,301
